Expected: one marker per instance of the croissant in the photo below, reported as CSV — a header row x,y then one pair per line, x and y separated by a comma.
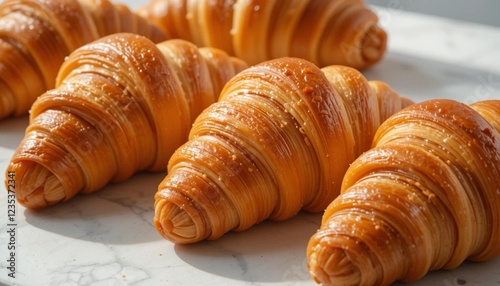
x,y
325,32
426,197
122,105
278,140
36,36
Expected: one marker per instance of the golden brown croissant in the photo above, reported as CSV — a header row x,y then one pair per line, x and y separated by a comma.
x,y
426,197
122,104
278,140
325,32
36,36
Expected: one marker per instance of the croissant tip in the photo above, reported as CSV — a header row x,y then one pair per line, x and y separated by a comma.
x,y
332,266
175,223
374,45
36,187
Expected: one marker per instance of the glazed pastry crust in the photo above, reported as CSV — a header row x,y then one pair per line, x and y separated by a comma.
x,y
341,32
122,105
36,36
425,197
278,140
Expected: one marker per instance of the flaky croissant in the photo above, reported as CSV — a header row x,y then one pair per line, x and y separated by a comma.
x,y
325,32
426,197
278,140
122,104
36,36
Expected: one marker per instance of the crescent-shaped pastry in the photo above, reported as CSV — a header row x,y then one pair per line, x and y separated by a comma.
x,y
122,105
426,197
325,32
278,140
37,35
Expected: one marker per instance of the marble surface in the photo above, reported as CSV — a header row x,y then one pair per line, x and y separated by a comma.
x,y
107,238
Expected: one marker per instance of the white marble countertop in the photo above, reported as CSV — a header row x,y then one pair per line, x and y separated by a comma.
x,y
107,238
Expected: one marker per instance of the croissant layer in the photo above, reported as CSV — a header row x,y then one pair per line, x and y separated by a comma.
x,y
36,36
122,104
342,32
425,197
278,140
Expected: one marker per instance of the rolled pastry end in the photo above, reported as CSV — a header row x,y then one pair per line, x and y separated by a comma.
x,y
36,187
354,39
373,44
178,219
333,266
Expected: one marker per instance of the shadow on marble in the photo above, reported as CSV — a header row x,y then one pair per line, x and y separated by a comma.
x,y
12,131
273,252
469,274
267,252
424,78
121,213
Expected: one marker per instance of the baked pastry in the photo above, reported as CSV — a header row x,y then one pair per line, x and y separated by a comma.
x,y
36,36
122,104
426,197
278,140
325,32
